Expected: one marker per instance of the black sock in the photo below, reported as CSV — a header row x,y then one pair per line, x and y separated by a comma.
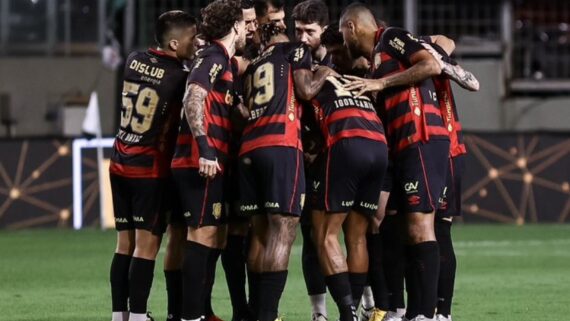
x,y
314,278
357,283
233,261
271,286
141,274
376,274
120,282
210,278
412,286
394,263
448,265
194,273
253,290
424,270
339,288
174,293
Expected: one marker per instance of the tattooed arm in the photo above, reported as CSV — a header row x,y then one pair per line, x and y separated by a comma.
x,y
308,84
194,100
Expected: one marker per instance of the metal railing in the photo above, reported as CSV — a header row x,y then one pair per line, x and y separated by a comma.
x,y
533,36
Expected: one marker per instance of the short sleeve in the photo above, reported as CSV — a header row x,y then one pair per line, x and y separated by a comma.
x,y
300,57
206,70
400,44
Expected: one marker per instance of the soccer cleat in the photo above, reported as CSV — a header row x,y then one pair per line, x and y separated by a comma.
x,y
213,317
149,316
421,317
318,317
441,317
395,316
365,313
377,315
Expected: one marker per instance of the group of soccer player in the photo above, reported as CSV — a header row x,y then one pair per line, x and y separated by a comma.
x,y
231,135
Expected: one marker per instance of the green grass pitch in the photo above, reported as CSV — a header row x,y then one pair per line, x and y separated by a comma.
x,y
505,273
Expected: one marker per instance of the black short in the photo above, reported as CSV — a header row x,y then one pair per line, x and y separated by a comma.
x,y
352,176
138,203
451,198
419,178
234,215
388,178
201,199
174,214
312,173
272,180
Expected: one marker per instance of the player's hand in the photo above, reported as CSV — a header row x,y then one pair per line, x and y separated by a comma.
x,y
208,168
326,69
363,85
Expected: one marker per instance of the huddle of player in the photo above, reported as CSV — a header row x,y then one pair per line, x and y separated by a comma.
x,y
231,135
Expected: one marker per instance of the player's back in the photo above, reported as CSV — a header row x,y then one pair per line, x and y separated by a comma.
x,y
341,114
153,89
270,97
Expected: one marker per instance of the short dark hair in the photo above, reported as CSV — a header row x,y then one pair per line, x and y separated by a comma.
x,y
246,4
169,21
262,6
269,30
311,11
331,36
219,17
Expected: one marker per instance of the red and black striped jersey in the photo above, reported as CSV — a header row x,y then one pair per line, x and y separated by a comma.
x,y
270,97
343,115
153,88
213,71
411,114
450,116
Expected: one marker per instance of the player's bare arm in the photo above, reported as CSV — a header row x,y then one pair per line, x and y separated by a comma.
x,y
194,110
308,83
447,44
455,72
424,66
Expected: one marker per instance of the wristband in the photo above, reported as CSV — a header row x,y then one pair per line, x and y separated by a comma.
x,y
204,149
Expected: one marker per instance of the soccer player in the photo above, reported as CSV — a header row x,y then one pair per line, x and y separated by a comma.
x,y
199,163
234,255
417,138
271,164
451,203
347,196
311,17
270,11
153,88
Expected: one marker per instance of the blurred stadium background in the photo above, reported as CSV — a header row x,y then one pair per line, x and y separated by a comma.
x,y
518,137
518,124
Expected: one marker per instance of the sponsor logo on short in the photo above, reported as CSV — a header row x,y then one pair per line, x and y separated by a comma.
x,y
316,185
271,205
414,200
411,187
139,219
347,203
248,207
217,210
187,214
121,220
369,206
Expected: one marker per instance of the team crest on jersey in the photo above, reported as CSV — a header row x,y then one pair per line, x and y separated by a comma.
x,y
217,210
377,60
299,53
214,71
